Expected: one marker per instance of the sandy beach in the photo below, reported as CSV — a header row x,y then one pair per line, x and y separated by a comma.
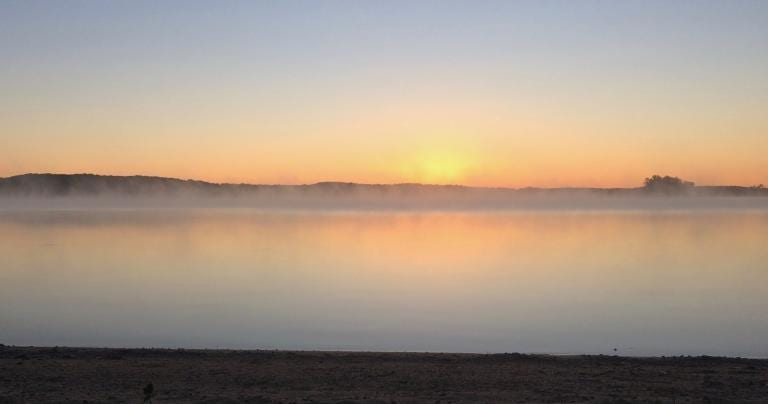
x,y
94,375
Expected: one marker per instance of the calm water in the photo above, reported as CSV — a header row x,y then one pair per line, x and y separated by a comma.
x,y
640,283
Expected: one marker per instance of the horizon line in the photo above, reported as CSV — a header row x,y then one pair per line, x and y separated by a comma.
x,y
350,182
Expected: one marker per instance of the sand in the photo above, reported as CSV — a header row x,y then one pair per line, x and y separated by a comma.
x,y
93,375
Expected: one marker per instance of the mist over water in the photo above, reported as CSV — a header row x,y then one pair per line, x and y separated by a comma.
x,y
466,200
88,191
560,281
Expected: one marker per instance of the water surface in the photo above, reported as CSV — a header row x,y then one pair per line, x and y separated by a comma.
x,y
642,283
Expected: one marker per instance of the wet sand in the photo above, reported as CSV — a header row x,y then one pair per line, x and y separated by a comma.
x,y
93,375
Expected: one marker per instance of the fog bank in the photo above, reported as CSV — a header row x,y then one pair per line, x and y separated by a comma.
x,y
32,191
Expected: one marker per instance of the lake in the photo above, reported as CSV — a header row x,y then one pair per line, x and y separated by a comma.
x,y
612,282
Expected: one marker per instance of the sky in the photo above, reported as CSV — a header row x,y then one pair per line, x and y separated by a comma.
x,y
485,93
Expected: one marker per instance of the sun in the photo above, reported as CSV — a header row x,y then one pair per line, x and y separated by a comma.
x,y
442,168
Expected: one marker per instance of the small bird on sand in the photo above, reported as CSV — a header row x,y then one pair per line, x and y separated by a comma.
x,y
149,391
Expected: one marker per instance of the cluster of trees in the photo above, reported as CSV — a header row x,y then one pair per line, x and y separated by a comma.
x,y
667,185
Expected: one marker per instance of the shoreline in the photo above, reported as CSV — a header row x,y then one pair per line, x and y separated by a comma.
x,y
94,375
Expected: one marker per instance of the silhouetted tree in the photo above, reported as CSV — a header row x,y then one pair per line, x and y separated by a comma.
x,y
667,185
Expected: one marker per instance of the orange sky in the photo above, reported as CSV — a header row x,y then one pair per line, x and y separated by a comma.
x,y
490,94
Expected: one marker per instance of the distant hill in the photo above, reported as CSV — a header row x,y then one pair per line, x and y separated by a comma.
x,y
61,185
97,190
50,185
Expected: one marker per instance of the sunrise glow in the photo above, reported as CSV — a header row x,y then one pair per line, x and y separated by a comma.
x,y
387,92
